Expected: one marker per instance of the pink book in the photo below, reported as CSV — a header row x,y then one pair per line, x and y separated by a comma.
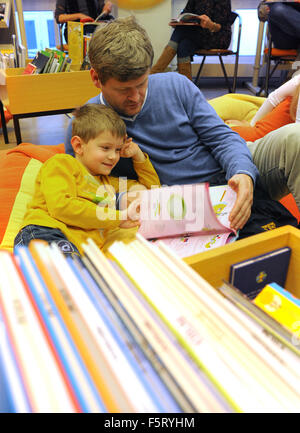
x,y
188,218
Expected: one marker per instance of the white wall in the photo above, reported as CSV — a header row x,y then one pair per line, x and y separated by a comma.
x,y
155,20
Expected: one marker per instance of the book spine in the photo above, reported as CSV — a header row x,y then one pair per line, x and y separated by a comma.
x,y
190,383
43,381
80,381
105,340
193,334
67,311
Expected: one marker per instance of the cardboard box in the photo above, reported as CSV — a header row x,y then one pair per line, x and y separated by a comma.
x,y
45,92
214,265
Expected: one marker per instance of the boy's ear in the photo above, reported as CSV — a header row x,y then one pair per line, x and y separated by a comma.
x,y
95,78
77,145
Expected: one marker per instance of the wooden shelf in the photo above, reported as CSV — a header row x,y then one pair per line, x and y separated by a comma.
x,y
214,265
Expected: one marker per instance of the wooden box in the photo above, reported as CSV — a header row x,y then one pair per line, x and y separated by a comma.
x,y
46,92
214,265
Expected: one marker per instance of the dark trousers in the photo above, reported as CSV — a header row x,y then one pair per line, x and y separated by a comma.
x,y
284,25
48,234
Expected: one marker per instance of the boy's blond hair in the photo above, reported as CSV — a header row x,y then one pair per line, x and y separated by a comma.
x,y
91,120
121,50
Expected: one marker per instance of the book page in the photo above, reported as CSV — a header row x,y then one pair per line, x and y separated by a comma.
x,y
218,202
185,210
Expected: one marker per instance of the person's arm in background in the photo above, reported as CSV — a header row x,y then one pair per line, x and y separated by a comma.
x,y
287,89
62,16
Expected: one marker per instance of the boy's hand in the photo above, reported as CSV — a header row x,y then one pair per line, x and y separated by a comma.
x,y
131,150
131,215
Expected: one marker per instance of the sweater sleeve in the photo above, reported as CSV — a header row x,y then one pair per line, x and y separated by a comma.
x,y
59,179
226,146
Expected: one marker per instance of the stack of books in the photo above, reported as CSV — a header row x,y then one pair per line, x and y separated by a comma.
x,y
49,61
135,330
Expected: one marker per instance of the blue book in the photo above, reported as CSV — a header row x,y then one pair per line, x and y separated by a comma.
x,y
13,396
251,276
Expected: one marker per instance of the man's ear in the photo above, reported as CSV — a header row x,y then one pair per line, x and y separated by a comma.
x,y
77,145
95,78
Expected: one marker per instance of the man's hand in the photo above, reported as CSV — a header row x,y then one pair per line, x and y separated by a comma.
x,y
242,184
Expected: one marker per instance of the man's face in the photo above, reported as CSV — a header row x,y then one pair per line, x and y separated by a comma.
x,y
125,97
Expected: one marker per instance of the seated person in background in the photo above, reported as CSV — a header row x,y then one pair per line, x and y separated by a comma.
x,y
75,197
76,10
168,116
284,24
214,32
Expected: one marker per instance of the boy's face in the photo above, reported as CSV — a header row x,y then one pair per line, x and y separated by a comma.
x,y
125,97
100,154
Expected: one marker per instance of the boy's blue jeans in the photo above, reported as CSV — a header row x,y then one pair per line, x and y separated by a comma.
x,y
48,234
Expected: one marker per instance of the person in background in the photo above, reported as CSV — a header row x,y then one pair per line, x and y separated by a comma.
x,y
214,32
86,10
75,197
283,21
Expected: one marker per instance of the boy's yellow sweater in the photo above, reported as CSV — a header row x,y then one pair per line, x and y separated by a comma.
x,y
68,197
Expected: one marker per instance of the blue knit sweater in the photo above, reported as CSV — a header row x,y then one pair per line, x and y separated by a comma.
x,y
185,139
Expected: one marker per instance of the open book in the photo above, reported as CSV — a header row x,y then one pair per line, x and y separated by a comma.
x,y
189,218
187,18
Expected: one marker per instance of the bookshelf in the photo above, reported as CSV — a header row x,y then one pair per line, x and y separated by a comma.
x,y
214,265
44,94
138,330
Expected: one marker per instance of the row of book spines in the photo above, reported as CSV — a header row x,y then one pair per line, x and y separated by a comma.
x,y
66,309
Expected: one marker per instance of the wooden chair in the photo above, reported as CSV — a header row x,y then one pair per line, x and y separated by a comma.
x,y
224,53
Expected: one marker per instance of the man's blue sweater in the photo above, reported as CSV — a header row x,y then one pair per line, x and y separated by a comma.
x,y
185,139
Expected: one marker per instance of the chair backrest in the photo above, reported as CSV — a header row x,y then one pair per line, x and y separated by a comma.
x,y
236,31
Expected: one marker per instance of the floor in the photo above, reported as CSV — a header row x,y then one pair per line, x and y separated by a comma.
x,y
51,129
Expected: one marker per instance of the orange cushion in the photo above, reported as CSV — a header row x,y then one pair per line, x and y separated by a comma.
x,y
19,167
278,117
277,52
289,202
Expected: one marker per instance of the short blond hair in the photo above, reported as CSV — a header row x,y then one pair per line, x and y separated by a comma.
x,y
121,50
91,120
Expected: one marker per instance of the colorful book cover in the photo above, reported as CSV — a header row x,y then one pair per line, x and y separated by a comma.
x,y
75,42
251,276
279,306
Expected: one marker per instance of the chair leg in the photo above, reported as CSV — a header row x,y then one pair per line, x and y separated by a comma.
x,y
199,71
225,74
235,73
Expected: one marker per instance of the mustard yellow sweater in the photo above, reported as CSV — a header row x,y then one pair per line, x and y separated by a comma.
x,y
69,198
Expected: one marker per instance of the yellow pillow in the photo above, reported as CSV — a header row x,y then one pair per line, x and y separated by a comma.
x,y
236,106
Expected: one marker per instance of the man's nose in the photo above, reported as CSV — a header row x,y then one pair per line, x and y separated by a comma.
x,y
133,94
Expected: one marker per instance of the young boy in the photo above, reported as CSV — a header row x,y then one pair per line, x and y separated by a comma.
x,y
75,198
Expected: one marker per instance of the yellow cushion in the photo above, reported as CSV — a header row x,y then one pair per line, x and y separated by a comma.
x,y
24,195
236,106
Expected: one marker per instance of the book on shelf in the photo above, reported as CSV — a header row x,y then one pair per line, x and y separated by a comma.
x,y
142,319
251,276
188,218
187,17
213,339
281,305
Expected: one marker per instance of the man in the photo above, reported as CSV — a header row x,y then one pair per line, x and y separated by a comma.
x,y
167,115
